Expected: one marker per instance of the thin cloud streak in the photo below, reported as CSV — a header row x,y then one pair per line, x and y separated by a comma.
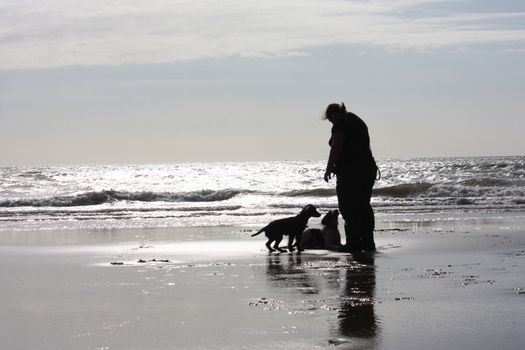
x,y
55,33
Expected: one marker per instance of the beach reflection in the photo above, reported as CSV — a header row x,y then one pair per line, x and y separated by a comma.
x,y
357,314
343,287
287,271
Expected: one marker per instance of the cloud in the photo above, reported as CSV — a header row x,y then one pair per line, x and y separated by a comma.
x,y
55,33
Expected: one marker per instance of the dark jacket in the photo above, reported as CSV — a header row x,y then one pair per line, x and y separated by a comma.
x,y
356,155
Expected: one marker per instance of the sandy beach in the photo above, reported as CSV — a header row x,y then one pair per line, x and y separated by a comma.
x,y
438,285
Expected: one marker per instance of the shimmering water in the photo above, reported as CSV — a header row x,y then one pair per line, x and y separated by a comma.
x,y
244,193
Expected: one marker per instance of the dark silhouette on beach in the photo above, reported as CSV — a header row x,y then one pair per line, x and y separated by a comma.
x,y
291,226
352,162
328,237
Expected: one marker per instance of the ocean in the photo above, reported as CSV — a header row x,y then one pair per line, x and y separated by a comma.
x,y
248,193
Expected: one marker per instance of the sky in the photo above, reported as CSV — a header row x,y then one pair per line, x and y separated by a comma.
x,y
150,81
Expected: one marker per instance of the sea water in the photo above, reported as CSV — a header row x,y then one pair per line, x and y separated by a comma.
x,y
247,193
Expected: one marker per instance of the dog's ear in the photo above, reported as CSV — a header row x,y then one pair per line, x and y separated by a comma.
x,y
307,208
327,218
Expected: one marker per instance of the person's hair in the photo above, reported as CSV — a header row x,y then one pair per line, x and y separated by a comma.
x,y
334,109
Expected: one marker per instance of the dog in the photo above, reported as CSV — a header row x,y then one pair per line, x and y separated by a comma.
x,y
291,226
326,238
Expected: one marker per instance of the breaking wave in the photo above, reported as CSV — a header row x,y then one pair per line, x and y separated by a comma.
x,y
316,192
402,191
101,197
482,187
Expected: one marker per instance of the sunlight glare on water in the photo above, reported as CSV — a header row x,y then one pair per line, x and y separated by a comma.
x,y
243,193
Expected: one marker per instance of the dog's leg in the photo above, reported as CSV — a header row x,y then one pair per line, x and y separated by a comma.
x,y
298,242
290,243
276,245
268,245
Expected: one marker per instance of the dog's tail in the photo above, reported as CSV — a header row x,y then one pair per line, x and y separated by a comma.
x,y
258,232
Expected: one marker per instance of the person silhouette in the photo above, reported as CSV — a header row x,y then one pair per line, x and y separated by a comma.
x,y
352,162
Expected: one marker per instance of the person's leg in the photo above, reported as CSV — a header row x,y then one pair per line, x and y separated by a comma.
x,y
347,197
368,228
368,219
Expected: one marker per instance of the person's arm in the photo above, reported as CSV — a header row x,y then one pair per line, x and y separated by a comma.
x,y
335,150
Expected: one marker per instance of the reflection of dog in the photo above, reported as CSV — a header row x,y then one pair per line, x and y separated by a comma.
x,y
328,237
292,226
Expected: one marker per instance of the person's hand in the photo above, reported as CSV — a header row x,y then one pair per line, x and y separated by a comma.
x,y
327,175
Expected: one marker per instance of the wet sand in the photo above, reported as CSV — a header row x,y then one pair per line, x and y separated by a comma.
x,y
439,286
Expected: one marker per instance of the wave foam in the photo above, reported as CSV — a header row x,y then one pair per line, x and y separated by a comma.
x,y
316,192
101,197
403,190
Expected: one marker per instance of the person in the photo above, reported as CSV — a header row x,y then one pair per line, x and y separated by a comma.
x,y
352,162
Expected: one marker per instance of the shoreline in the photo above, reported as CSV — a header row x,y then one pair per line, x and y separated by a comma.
x,y
417,222
441,286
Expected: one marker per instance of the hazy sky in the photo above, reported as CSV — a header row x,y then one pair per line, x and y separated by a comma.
x,y
127,81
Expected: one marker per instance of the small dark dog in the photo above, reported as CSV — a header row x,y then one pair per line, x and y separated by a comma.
x,y
326,238
293,227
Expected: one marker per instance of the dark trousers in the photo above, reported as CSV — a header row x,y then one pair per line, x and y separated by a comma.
x,y
353,194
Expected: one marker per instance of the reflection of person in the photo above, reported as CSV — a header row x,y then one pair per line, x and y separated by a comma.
x,y
356,315
355,168
345,284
